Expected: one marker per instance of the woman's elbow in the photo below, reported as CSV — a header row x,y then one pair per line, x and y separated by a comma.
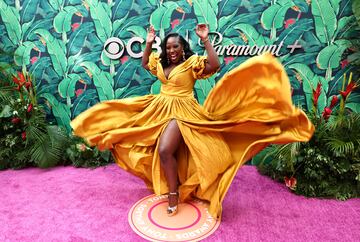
x,y
145,65
216,66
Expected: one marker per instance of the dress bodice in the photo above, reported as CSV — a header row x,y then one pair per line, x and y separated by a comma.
x,y
181,79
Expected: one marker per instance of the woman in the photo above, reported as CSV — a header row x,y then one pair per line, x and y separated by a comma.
x,y
186,150
175,51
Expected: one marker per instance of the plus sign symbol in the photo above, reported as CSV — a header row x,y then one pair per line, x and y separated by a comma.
x,y
294,46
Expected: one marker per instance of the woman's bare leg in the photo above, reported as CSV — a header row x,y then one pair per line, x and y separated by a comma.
x,y
169,143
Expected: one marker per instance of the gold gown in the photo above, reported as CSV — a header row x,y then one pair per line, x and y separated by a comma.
x,y
248,109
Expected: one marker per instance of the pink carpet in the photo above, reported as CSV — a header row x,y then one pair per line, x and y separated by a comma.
x,y
73,204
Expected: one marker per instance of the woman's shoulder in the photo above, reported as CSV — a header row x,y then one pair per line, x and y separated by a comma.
x,y
196,58
155,55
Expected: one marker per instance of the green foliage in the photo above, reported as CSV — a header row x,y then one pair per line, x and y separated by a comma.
x,y
28,140
356,9
81,155
61,43
327,166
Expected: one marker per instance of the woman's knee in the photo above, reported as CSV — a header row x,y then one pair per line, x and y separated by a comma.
x,y
169,141
165,154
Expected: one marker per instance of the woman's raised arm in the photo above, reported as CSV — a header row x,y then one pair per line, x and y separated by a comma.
x,y
213,62
149,41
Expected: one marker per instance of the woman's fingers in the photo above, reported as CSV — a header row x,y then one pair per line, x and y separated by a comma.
x,y
150,29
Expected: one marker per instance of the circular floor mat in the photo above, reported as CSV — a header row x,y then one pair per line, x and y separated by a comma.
x,y
192,222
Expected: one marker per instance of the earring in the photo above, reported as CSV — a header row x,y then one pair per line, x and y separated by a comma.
x,y
168,60
183,55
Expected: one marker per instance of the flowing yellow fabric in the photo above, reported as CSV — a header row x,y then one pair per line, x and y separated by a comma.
x,y
248,109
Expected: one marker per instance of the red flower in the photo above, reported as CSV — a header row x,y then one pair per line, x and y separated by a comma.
x,y
75,26
316,94
290,182
78,92
174,23
28,85
326,114
334,100
289,22
20,80
33,60
344,63
81,147
23,135
349,88
124,59
30,108
228,59
15,120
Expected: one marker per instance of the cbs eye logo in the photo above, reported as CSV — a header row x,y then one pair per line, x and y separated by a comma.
x,y
114,47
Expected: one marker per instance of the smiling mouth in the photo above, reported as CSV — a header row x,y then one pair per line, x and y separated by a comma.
x,y
173,57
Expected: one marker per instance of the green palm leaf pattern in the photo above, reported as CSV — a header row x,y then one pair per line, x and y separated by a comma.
x,y
100,14
103,81
66,87
61,44
329,57
335,4
60,111
11,18
273,17
56,4
78,37
121,9
325,20
28,10
83,102
203,87
310,82
22,53
56,50
62,21
161,17
252,35
227,7
206,12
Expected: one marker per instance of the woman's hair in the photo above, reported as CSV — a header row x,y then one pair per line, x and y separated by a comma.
x,y
185,44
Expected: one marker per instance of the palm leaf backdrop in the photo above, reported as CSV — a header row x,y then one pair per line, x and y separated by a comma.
x,y
61,44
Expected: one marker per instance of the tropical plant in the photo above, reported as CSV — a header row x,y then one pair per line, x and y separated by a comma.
x,y
79,154
27,138
329,164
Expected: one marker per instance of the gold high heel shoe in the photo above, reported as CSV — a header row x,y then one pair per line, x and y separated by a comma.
x,y
171,211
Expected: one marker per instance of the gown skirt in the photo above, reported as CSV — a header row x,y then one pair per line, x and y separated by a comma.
x,y
249,108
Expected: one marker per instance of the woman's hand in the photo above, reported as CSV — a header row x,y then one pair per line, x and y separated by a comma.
x,y
202,30
150,35
213,63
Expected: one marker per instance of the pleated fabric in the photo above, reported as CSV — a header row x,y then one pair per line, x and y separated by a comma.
x,y
248,109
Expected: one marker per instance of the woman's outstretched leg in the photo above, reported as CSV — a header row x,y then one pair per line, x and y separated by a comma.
x,y
169,143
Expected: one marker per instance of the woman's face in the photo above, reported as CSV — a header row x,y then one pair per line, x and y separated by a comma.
x,y
174,50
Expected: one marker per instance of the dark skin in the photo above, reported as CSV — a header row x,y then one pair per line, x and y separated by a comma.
x,y
171,137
